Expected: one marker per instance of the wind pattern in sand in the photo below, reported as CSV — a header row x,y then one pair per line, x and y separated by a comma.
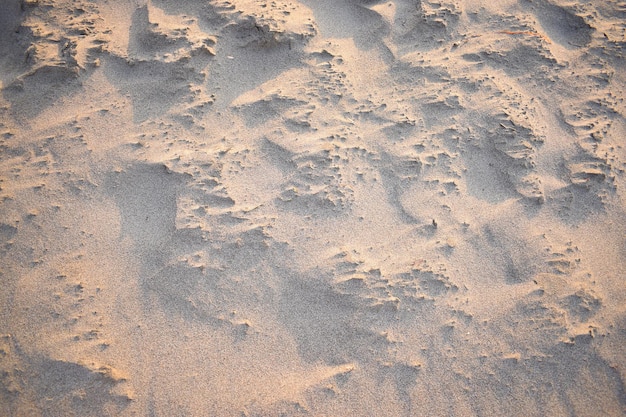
x,y
312,208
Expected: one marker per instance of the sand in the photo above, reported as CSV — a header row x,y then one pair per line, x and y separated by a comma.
x,y
312,208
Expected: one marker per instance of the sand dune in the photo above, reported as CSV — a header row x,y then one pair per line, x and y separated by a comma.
x,y
320,208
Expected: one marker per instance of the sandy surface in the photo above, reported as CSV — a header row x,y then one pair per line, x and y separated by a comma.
x,y
312,208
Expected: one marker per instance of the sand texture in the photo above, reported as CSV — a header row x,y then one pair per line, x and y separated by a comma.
x,y
312,208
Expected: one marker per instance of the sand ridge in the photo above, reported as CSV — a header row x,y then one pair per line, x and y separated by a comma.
x,y
312,208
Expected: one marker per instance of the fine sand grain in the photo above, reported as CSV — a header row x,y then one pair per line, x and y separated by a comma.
x,y
312,208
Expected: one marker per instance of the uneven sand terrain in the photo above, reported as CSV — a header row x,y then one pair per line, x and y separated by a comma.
x,y
312,208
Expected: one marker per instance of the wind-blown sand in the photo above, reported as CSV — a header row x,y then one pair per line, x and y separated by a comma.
x,y
312,208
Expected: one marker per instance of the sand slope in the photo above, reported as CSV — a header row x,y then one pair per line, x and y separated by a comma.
x,y
312,208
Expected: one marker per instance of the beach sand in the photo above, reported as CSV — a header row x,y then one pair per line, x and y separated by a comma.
x,y
312,208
